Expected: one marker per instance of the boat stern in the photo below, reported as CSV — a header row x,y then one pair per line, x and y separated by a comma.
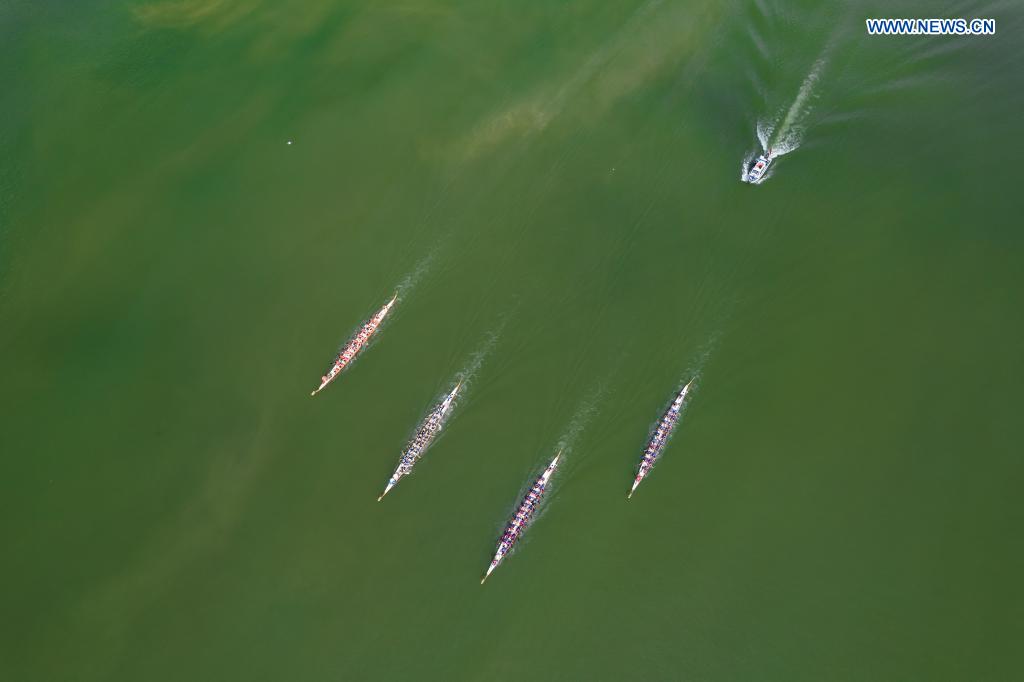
x,y
324,380
633,489
391,484
757,171
490,569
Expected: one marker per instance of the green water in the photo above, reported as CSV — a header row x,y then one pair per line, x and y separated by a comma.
x,y
554,189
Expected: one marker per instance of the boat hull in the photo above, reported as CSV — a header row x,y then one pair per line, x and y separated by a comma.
x,y
659,439
354,346
426,432
758,169
522,517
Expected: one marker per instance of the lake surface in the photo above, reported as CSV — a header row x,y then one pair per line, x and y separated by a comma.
x,y
200,200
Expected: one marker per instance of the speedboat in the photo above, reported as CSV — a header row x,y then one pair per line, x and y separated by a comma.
x,y
757,170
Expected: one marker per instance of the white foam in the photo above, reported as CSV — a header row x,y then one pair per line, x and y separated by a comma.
x,y
476,360
579,420
789,134
412,279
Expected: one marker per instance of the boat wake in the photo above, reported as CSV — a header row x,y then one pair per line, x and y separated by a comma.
x,y
579,421
413,278
476,360
785,133
790,132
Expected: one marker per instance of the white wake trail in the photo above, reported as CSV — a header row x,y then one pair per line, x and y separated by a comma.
x,y
790,132
413,278
778,139
579,420
476,360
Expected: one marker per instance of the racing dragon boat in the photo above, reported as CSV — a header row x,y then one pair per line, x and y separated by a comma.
x,y
522,516
760,166
425,434
354,345
656,445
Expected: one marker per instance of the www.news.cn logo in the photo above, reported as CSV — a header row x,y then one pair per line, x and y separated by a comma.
x,y
931,27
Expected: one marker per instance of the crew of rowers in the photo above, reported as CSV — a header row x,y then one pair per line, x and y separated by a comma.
x,y
411,455
527,508
424,435
420,441
659,438
353,347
